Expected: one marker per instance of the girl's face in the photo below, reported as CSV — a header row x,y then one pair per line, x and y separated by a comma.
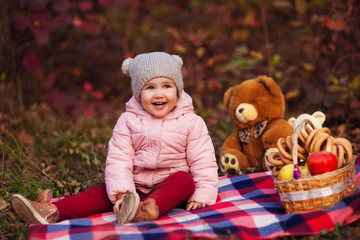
x,y
159,96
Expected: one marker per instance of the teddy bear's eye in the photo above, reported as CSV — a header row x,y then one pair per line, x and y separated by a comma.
x,y
241,110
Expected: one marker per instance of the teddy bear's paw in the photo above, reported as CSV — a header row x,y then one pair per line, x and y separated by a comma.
x,y
229,164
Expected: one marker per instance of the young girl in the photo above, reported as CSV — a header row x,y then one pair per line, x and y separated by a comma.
x,y
160,155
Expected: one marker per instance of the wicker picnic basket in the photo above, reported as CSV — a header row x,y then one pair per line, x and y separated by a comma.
x,y
321,191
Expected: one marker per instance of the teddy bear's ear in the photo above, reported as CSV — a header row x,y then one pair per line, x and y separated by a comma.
x,y
320,116
291,121
227,96
125,67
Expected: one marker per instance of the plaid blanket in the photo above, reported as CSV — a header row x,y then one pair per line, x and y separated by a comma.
x,y
248,207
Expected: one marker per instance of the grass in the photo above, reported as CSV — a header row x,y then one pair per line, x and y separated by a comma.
x,y
41,148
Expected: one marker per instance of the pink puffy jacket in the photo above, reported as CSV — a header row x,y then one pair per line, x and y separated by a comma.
x,y
144,150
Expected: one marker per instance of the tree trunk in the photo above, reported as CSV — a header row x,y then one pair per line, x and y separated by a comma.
x,y
7,64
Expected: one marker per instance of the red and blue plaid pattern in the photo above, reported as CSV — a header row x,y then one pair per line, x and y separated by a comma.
x,y
248,208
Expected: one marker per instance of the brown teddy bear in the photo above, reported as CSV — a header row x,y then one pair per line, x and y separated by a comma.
x,y
257,109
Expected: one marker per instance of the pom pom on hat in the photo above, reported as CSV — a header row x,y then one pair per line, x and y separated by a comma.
x,y
179,59
125,67
151,65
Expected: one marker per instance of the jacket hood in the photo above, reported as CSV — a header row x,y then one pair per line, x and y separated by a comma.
x,y
183,105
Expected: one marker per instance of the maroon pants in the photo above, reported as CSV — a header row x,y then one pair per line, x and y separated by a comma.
x,y
173,192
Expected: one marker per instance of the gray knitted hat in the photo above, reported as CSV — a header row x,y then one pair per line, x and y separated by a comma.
x,y
150,65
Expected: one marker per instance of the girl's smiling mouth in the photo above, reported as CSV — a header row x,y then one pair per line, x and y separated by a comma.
x,y
159,104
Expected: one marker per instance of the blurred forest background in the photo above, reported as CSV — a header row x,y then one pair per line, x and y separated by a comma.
x,y
62,89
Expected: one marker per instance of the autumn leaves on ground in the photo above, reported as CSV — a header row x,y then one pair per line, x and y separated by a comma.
x,y
62,90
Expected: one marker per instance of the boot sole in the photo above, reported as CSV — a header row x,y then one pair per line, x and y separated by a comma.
x,y
25,210
128,208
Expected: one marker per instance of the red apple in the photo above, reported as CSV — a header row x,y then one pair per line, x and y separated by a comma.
x,y
321,162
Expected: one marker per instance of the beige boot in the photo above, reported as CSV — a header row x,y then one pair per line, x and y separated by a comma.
x,y
42,212
147,211
128,208
132,210
45,196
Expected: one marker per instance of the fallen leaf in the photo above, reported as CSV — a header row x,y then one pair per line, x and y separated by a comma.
x,y
335,25
3,204
26,138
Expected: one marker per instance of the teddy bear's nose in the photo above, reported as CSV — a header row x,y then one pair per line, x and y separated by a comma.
x,y
241,110
231,171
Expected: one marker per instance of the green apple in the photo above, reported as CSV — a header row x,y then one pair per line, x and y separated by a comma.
x,y
304,171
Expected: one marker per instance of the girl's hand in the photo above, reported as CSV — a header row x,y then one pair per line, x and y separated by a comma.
x,y
120,198
194,205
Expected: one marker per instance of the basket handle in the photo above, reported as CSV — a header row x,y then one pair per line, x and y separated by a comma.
x,y
298,129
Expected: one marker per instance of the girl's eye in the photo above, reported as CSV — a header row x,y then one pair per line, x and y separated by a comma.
x,y
149,87
167,86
